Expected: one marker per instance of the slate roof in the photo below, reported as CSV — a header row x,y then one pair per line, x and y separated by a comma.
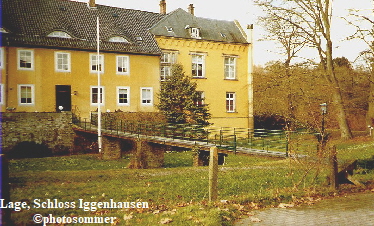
x,y
210,29
30,21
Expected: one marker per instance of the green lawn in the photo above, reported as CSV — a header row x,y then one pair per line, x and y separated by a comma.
x,y
178,192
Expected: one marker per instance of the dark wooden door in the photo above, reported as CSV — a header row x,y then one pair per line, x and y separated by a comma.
x,y
63,97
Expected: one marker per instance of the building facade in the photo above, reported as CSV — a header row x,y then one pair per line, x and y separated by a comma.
x,y
216,55
48,59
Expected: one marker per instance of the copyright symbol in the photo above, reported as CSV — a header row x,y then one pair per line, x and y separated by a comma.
x,y
38,218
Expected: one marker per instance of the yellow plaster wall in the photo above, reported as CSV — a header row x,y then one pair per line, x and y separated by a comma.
x,y
144,72
214,85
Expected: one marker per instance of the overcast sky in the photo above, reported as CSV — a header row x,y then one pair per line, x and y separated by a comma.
x,y
246,13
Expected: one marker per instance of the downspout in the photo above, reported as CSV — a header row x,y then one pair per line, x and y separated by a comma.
x,y
250,76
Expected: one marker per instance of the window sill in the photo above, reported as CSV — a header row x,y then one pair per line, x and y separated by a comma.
x,y
195,77
231,79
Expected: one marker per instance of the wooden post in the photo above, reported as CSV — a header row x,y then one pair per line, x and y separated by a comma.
x,y
213,174
334,183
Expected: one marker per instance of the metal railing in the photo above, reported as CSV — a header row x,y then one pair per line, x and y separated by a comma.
x,y
223,137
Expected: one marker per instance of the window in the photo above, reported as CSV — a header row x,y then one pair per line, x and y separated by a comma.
x,y
1,94
195,32
123,65
95,95
123,96
96,64
26,94
146,96
62,62
25,60
230,102
3,30
167,60
200,100
118,39
165,72
230,67
198,65
59,34
1,58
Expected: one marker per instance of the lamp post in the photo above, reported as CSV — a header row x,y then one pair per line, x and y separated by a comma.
x,y
323,135
323,112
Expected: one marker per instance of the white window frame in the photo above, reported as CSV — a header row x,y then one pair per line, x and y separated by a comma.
x,y
19,52
195,32
101,62
127,88
231,102
2,94
126,60
102,96
2,58
195,60
168,58
20,94
165,72
68,64
149,100
201,101
230,67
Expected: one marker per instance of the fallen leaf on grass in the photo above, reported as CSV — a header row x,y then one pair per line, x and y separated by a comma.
x,y
285,205
255,219
226,218
128,216
166,220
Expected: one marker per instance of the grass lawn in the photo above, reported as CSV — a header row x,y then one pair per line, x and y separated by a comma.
x,y
176,194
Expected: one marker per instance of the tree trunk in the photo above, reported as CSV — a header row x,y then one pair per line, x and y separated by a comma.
x,y
370,113
345,131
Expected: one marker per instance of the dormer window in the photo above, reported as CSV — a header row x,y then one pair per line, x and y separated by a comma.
x,y
59,34
2,30
118,39
169,29
195,32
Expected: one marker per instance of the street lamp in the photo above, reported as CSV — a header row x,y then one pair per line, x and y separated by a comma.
x,y
323,112
323,136
323,108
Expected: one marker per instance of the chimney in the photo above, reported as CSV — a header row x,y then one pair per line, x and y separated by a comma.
x,y
191,9
92,3
163,6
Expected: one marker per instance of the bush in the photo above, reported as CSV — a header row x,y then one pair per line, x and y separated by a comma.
x,y
30,149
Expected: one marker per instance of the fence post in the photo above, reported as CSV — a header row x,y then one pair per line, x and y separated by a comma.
x,y
213,174
334,168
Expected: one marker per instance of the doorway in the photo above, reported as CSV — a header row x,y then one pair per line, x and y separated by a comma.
x,y
63,97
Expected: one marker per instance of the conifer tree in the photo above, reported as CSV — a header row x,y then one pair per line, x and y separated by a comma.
x,y
179,100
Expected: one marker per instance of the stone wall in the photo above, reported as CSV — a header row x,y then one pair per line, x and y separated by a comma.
x,y
49,128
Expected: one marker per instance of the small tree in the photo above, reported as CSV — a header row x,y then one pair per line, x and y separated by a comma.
x,y
180,102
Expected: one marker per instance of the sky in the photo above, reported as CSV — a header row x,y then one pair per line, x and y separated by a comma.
x,y
246,13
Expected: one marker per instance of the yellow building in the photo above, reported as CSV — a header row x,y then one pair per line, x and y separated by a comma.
x,y
217,55
48,59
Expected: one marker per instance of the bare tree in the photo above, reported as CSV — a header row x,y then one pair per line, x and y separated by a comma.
x,y
365,31
313,19
291,42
